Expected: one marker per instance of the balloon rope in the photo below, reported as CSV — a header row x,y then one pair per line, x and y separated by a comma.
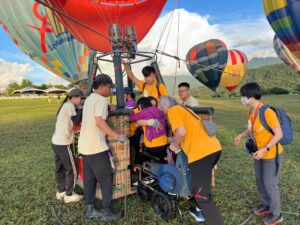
x,y
71,18
177,49
163,29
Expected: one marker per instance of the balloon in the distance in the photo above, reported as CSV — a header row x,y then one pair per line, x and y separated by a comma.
x,y
235,70
98,15
206,62
285,55
42,37
284,17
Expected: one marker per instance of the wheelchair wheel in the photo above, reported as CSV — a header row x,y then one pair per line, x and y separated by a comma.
x,y
143,195
162,206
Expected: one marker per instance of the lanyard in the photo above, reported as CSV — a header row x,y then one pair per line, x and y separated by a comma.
x,y
254,119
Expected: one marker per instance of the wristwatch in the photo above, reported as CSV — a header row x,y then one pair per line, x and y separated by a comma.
x,y
267,147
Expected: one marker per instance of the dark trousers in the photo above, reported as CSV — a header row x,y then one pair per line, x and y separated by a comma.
x,y
201,181
157,152
97,168
65,169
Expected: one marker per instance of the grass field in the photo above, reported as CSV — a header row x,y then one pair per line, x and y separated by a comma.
x,y
27,185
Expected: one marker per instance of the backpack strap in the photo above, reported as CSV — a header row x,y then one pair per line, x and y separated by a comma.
x,y
157,87
191,112
144,86
262,118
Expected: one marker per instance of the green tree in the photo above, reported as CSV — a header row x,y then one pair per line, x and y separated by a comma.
x,y
26,83
11,88
297,88
278,91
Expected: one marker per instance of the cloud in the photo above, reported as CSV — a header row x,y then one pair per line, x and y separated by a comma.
x,y
252,36
12,72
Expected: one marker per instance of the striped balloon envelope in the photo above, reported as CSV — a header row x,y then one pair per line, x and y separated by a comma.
x,y
206,62
235,70
285,55
284,17
38,33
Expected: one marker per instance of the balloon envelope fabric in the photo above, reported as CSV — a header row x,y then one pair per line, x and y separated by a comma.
x,y
284,17
100,14
285,55
235,70
206,62
40,35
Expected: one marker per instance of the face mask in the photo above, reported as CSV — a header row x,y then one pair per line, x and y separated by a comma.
x,y
244,100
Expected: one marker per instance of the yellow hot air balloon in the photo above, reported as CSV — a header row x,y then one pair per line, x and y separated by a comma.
x,y
235,70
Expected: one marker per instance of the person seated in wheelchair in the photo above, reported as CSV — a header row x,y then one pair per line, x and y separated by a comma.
x,y
154,128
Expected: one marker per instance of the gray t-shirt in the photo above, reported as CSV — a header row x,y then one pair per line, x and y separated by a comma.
x,y
92,139
192,102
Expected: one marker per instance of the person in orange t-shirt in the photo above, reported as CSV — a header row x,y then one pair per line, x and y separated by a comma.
x,y
148,87
266,171
203,153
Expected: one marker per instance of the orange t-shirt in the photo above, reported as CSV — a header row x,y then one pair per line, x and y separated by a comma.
x,y
151,90
196,144
263,136
133,126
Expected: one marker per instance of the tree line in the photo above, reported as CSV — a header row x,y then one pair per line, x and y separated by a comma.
x,y
28,83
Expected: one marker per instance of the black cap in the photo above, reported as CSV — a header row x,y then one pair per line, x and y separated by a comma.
x,y
76,92
104,79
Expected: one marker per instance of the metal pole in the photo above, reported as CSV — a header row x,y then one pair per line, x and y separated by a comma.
x,y
119,79
93,66
130,82
157,72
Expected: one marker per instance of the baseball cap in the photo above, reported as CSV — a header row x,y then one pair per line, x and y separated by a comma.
x,y
76,92
104,79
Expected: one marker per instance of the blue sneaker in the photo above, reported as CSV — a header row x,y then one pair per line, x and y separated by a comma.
x,y
197,214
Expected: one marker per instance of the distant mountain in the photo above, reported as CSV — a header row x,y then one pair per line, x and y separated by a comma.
x,y
279,75
259,62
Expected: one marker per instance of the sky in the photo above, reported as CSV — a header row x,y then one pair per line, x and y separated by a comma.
x,y
240,24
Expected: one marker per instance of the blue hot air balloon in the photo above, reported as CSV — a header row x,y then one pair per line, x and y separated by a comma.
x,y
206,62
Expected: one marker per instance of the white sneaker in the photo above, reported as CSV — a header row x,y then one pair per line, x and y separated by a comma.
x,y
148,180
60,195
73,198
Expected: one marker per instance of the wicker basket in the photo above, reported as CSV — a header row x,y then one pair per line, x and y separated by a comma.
x,y
121,154
119,124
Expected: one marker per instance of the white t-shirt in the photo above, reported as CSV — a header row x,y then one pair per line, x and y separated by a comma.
x,y
192,102
92,139
63,134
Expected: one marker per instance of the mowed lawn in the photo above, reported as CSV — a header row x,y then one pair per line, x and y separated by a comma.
x,y
27,185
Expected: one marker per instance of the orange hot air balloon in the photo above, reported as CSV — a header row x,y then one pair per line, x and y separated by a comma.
x,y
235,70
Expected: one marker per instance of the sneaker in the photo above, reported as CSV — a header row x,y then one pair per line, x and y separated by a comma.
x,y
261,210
135,183
270,220
60,195
148,180
197,214
73,198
